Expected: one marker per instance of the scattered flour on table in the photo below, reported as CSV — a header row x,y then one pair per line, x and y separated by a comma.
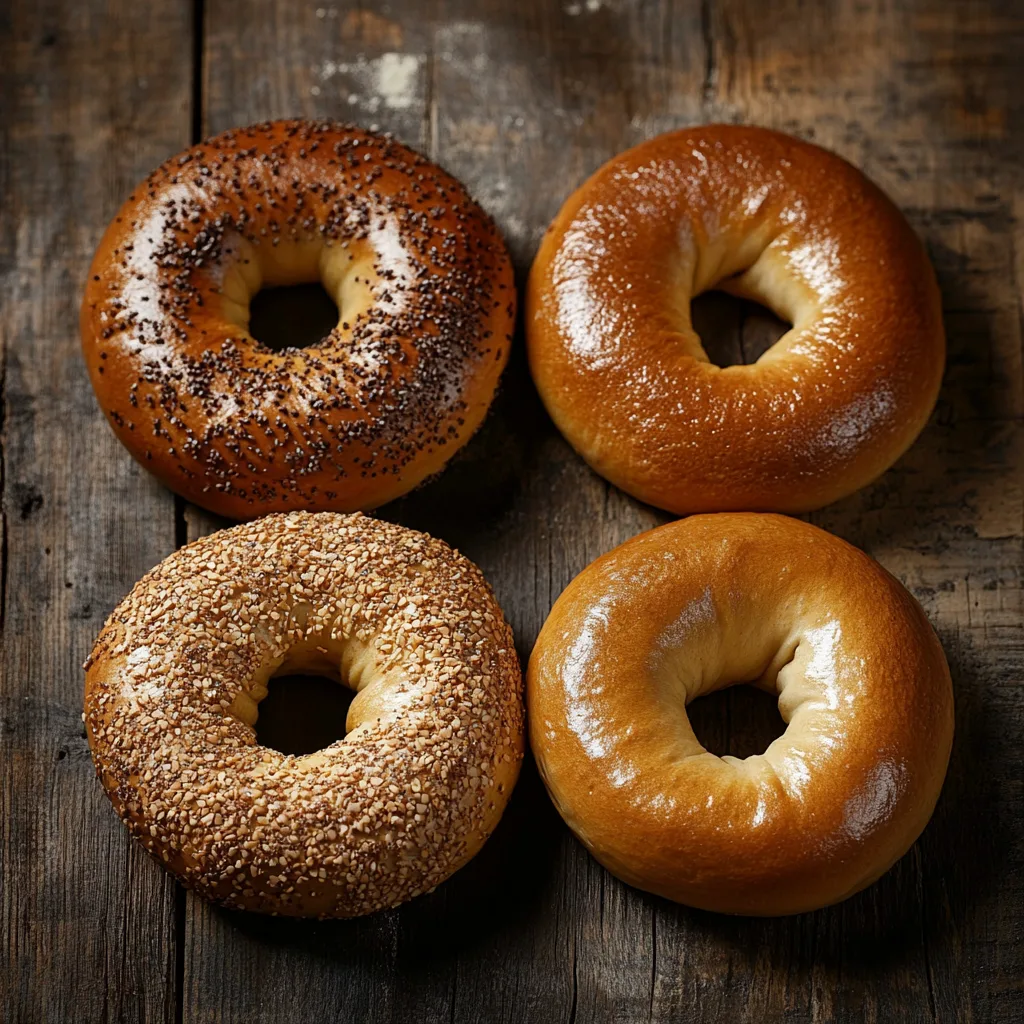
x,y
396,79
464,47
390,80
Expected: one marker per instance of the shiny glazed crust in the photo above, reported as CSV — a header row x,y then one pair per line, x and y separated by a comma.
x,y
700,604
435,731
750,211
426,302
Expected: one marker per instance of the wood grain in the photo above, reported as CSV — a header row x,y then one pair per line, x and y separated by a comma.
x,y
521,99
93,97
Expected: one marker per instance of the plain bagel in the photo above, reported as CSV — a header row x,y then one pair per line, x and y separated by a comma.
x,y
434,737
426,304
765,216
700,604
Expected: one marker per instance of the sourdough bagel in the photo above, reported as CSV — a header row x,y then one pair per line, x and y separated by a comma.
x,y
614,355
426,303
434,735
700,604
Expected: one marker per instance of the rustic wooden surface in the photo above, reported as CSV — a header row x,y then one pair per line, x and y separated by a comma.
x,y
521,99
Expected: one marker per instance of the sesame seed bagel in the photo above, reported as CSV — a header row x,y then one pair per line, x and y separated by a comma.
x,y
435,731
696,606
829,407
426,302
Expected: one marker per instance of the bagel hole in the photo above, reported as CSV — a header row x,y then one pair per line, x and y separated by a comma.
x,y
302,714
739,721
734,331
292,316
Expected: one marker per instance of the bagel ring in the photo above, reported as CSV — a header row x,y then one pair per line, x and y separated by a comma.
x,y
698,605
829,407
426,304
434,737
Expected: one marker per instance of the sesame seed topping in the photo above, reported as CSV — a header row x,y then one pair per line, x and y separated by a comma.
x,y
386,813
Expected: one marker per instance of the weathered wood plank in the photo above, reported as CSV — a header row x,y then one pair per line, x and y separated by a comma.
x,y
521,100
93,97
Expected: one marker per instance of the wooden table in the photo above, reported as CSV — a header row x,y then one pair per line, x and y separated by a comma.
x,y
521,99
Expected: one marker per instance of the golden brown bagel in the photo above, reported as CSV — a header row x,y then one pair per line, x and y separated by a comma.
x,y
435,731
426,303
696,606
749,211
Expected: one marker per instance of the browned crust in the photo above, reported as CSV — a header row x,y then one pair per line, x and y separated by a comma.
x,y
705,602
625,379
385,814
348,424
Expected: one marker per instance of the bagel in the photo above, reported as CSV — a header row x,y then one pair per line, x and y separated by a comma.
x,y
435,731
695,606
426,302
829,407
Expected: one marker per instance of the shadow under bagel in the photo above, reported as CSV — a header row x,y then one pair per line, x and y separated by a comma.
x,y
503,888
911,910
